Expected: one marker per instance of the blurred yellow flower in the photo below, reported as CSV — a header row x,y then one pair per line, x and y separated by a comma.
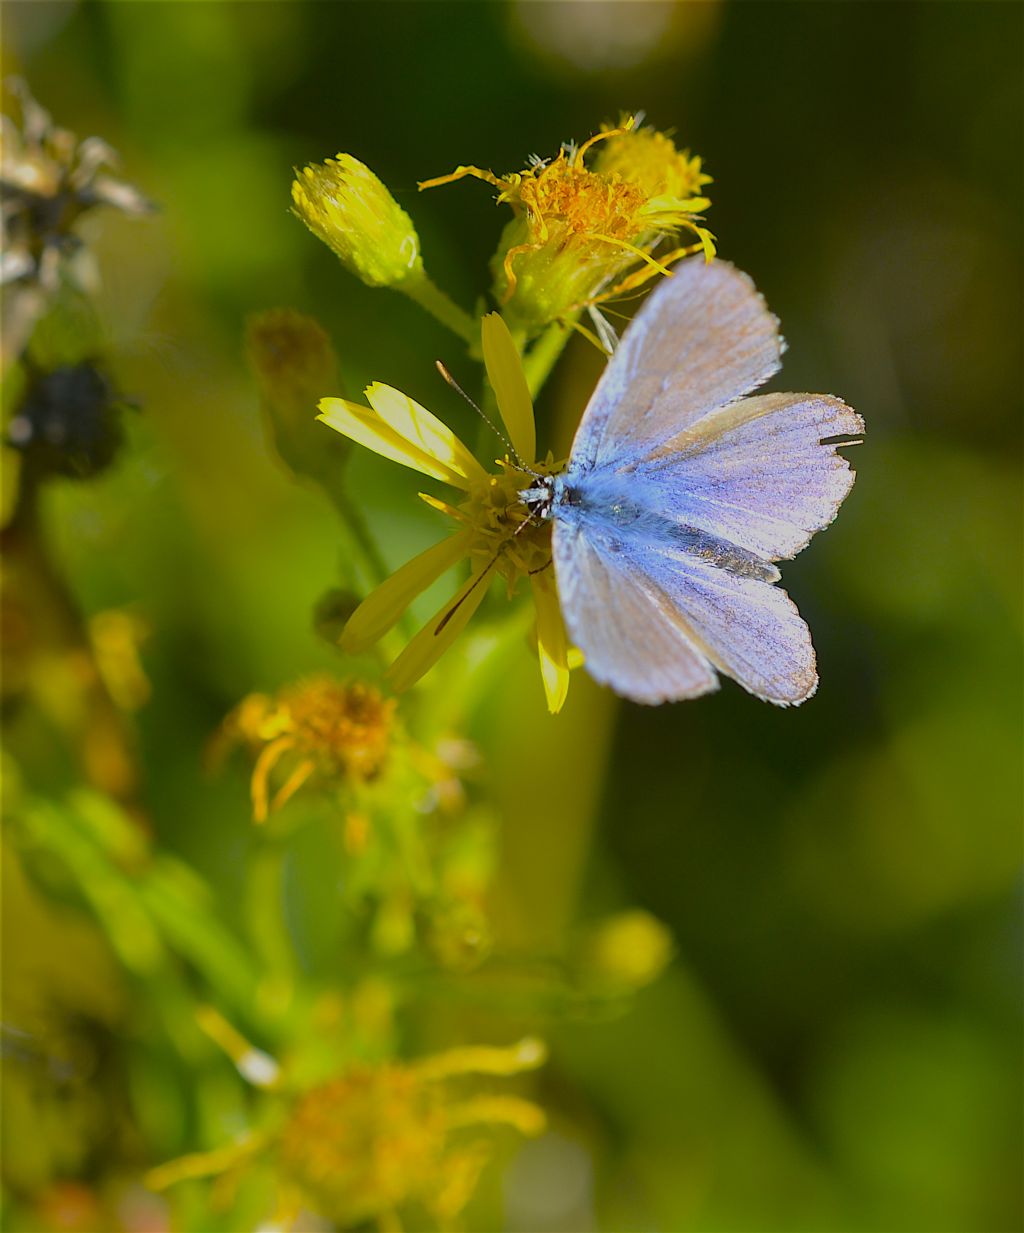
x,y
496,531
582,234
362,1145
116,635
342,731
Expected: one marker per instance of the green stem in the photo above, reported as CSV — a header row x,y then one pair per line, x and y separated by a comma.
x,y
264,903
371,560
374,567
430,297
542,356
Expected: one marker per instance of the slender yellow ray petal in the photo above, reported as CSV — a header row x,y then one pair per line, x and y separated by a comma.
x,y
269,757
637,252
666,206
439,632
383,606
253,1064
552,644
203,1164
366,428
528,1118
450,511
423,430
458,174
707,242
292,784
525,1054
505,373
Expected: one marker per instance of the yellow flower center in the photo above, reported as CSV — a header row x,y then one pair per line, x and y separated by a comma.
x,y
349,725
363,1144
504,528
582,201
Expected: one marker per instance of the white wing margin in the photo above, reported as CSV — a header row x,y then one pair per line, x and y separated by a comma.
x,y
703,338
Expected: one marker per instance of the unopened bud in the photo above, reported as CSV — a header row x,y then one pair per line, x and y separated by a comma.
x,y
294,363
629,949
348,207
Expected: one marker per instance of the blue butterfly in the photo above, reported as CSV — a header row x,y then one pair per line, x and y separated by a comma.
x,y
680,494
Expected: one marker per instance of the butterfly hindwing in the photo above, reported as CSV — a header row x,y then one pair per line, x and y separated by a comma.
x,y
629,640
655,622
745,627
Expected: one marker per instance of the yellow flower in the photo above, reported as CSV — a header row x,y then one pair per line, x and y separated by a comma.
x,y
340,730
347,206
496,532
582,234
363,1145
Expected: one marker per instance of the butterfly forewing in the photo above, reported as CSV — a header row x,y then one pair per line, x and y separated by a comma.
x,y
755,472
703,338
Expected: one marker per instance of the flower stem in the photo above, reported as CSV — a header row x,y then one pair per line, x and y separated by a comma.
x,y
264,905
366,546
430,297
542,356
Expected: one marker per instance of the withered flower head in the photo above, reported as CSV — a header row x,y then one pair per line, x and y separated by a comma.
x,y
48,180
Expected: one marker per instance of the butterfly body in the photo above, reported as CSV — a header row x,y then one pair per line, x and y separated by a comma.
x,y
680,493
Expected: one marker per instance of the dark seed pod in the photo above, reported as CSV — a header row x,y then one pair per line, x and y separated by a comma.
x,y
68,422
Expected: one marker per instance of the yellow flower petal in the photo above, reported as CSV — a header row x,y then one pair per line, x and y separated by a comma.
x,y
442,507
505,373
552,644
423,430
366,428
383,606
439,632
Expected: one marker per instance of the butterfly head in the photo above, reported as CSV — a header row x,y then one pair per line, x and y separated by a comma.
x,y
540,498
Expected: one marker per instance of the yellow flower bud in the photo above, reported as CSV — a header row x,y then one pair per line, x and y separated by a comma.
x,y
629,950
348,207
645,157
294,362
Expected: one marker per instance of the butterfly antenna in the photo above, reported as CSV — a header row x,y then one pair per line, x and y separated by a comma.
x,y
482,575
476,582
486,419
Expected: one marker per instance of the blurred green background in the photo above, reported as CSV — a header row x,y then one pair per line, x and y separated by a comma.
x,y
837,1043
